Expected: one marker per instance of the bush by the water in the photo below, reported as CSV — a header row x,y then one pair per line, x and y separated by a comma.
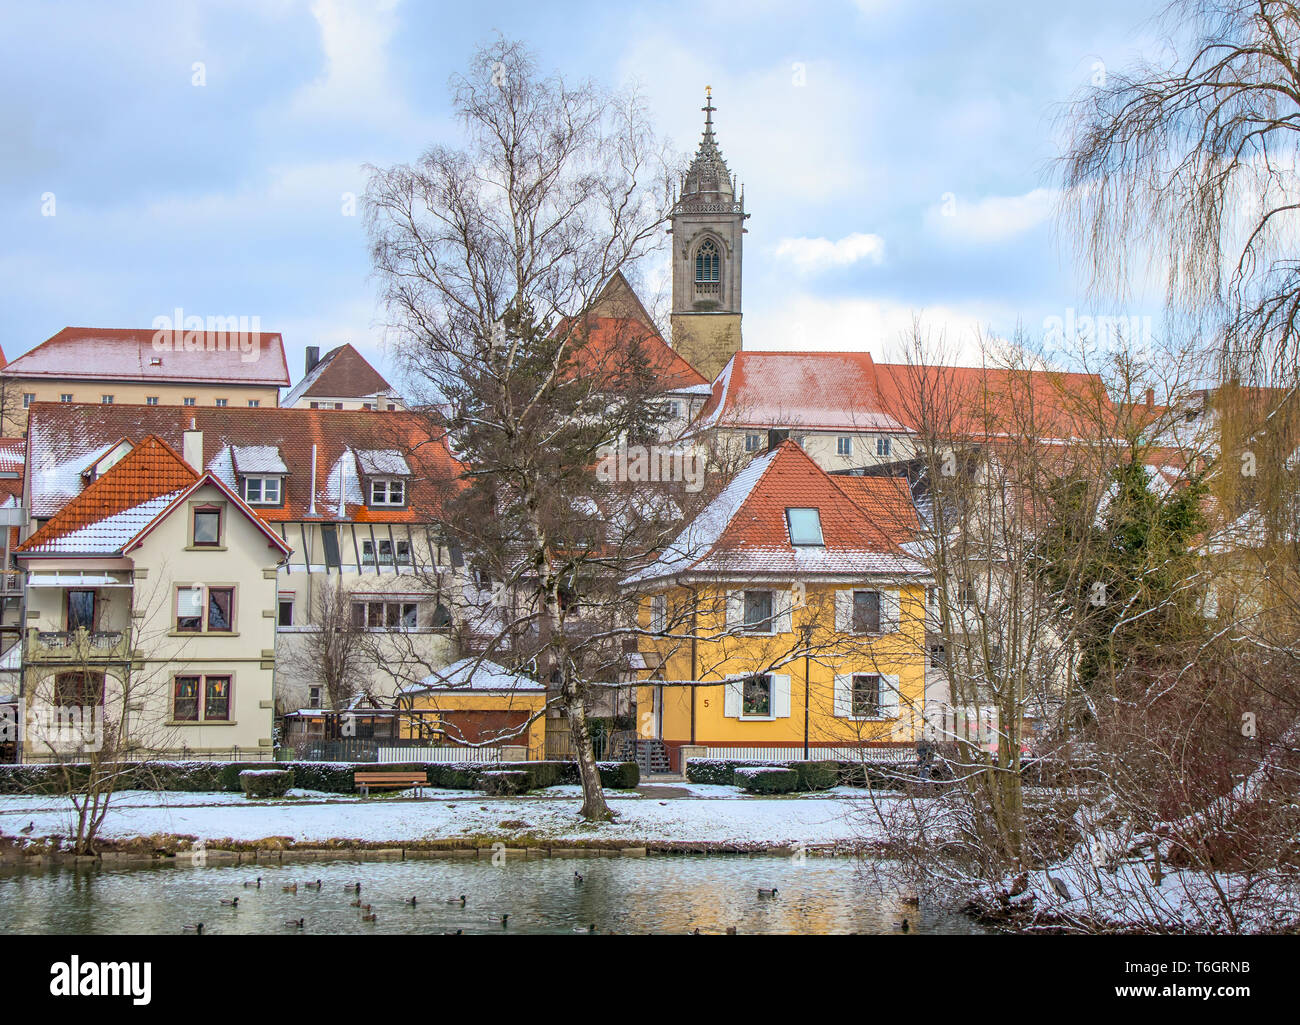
x,y
766,779
260,783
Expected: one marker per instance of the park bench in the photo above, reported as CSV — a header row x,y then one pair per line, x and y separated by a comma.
x,y
402,780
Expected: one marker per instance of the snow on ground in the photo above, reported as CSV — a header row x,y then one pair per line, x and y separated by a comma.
x,y
1127,898
750,820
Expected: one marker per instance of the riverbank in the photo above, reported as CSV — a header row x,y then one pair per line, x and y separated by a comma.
x,y
666,817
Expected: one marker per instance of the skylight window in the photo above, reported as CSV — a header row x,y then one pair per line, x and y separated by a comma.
x,y
805,526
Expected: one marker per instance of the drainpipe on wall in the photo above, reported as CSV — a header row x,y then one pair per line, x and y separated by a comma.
x,y
695,618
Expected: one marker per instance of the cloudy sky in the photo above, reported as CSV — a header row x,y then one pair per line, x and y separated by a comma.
x,y
896,157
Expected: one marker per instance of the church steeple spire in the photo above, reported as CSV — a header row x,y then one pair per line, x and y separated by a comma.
x,y
708,171
708,226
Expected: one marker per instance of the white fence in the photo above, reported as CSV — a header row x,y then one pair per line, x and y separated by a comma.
x,y
445,753
899,755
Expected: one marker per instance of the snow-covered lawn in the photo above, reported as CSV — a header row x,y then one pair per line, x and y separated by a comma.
x,y
547,815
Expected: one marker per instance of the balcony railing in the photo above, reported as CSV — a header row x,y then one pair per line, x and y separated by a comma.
x,y
75,645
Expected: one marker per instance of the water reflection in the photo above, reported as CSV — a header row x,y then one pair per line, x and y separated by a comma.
x,y
621,895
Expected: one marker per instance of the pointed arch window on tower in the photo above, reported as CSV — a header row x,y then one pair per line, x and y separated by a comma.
x,y
708,269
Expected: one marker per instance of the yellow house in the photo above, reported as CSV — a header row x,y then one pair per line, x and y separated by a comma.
x,y
787,620
476,704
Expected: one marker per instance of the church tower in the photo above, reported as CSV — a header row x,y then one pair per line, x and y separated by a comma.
x,y
708,227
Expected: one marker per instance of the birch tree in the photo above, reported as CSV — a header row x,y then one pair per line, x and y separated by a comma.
x,y
490,256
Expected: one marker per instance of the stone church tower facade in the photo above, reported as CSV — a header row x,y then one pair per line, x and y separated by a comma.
x,y
708,228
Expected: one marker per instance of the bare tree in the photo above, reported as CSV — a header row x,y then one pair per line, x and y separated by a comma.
x,y
491,257
334,653
99,713
1190,167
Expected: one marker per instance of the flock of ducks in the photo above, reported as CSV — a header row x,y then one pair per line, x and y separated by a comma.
x,y
366,911
368,914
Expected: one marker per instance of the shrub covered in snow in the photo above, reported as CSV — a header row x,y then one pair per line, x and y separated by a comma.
x,y
260,783
766,779
615,775
813,774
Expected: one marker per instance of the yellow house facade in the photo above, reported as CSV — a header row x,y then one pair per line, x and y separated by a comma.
x,y
787,621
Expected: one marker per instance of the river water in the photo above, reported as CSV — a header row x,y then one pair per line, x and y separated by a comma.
x,y
665,894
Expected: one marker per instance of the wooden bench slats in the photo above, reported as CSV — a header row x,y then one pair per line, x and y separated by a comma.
x,y
366,780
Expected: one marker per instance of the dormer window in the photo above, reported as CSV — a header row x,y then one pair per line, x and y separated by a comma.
x,y
805,526
387,491
262,490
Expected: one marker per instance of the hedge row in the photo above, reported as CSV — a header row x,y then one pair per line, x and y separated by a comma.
x,y
467,775
810,775
327,777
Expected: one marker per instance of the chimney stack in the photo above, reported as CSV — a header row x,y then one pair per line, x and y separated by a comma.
x,y
1151,397
313,357
775,437
192,449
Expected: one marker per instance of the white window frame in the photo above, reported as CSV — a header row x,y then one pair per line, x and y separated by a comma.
x,y
399,552
883,447
384,603
889,708
262,480
387,484
844,445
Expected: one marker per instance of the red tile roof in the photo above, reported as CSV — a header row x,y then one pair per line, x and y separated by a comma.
x,y
150,470
795,481
64,438
614,345
745,532
130,354
886,501
830,390
849,391
342,373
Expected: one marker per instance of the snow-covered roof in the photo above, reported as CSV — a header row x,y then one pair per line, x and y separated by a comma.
x,y
383,461
257,459
111,533
744,531
474,674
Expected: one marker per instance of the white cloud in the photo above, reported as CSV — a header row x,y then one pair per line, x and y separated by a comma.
x,y
817,254
991,218
355,37
879,326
